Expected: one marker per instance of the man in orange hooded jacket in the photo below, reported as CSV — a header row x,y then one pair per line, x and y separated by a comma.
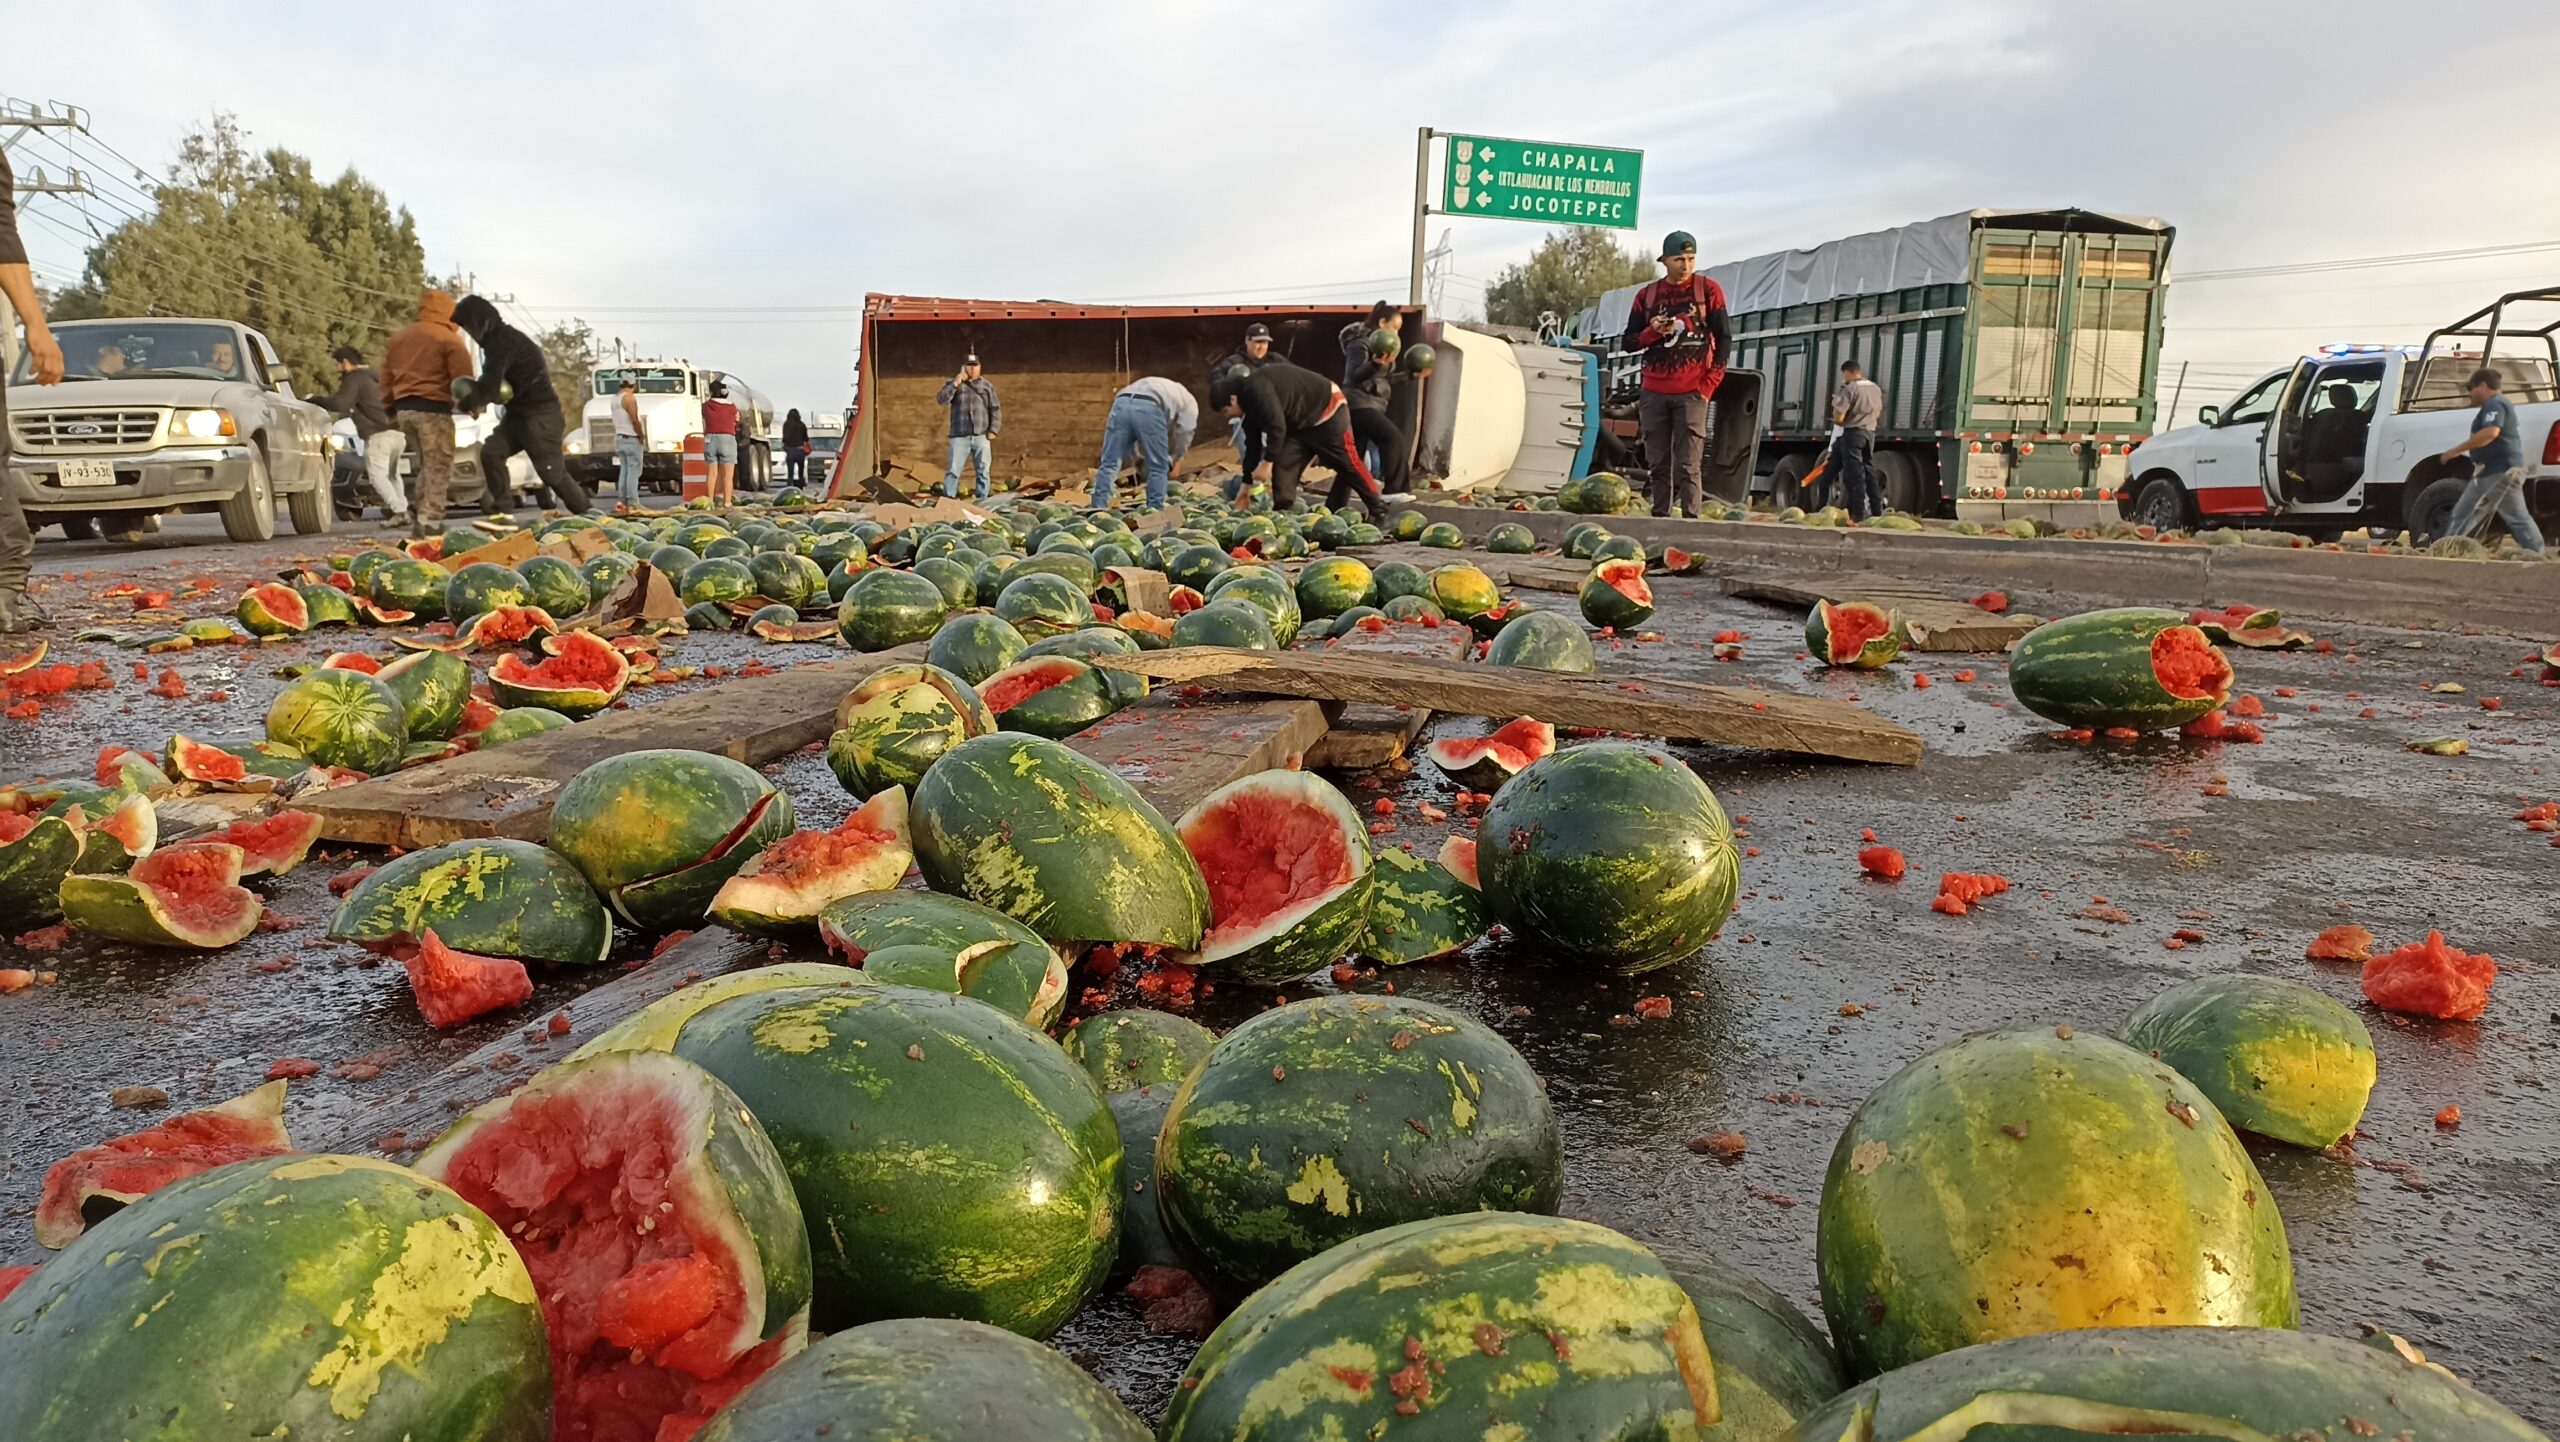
x,y
420,363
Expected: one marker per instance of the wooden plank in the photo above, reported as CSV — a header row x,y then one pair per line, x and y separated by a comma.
x,y
508,792
1767,720
1511,573
1176,750
1937,621
1370,734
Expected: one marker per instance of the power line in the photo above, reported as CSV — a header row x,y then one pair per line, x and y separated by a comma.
x,y
2369,262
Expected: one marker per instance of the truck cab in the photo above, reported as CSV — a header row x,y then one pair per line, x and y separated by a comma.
x,y
671,394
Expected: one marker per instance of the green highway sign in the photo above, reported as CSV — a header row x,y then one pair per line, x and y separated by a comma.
x,y
1552,184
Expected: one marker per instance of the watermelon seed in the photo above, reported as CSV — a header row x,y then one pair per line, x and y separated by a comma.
x,y
915,1051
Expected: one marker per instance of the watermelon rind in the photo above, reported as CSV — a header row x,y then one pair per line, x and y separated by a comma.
x,y
514,682
1486,1325
2040,1179
1773,1365
1312,931
1418,911
293,1296
97,1181
1058,842
1138,1047
1072,695
1605,597
32,869
432,687
761,897
2277,1057
140,907
110,844
1543,641
654,1027
1877,651
859,925
2094,670
926,1377
2283,1384
273,609
656,832
341,718
490,898
1314,1122
1010,1219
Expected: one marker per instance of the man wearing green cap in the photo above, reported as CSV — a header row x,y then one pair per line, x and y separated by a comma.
x,y
1678,325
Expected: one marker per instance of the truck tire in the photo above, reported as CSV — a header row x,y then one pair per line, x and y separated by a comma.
x,y
82,527
2427,517
1786,480
2162,504
250,514
1900,477
314,510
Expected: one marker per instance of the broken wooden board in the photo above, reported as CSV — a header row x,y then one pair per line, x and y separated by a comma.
x,y
1371,734
1937,621
1684,711
1177,750
508,792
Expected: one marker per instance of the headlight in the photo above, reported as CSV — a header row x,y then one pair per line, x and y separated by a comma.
x,y
339,443
577,445
666,445
204,425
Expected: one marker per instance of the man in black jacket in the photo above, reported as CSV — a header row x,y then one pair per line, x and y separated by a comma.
x,y
532,423
1291,416
1371,389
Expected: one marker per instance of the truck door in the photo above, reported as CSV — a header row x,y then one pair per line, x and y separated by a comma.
x,y
2281,443
2328,434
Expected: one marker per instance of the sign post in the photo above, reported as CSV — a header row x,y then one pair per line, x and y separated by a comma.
x,y
1498,178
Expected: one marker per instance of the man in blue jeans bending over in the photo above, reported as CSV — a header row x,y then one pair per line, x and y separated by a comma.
x,y
976,418
1156,418
2498,482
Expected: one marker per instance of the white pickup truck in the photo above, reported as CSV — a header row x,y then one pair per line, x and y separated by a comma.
x,y
2350,437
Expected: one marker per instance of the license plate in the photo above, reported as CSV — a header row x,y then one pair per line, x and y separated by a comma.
x,y
84,473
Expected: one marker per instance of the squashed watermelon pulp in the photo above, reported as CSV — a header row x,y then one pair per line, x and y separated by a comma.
x,y
1265,856
582,663
452,986
198,885
88,1185
1852,627
653,1323
2430,978
1026,681
2189,666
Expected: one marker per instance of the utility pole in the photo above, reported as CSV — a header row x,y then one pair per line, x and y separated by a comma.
x,y
1421,205
18,120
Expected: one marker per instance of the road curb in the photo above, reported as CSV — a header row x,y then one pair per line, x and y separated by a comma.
x,y
2518,597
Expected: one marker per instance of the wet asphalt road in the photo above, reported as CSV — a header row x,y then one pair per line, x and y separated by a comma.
x,y
2445,1236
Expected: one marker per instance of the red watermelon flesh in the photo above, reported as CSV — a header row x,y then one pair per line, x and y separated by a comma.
x,y
108,774
1853,625
11,1278
350,661
199,891
476,716
1489,760
1458,856
273,845
453,986
648,1315
14,826
580,661
282,603
1265,854
2186,664
1025,679
1182,600
93,1183
510,626
2430,978
195,761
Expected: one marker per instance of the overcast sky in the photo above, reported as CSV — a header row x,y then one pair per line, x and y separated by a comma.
x,y
725,181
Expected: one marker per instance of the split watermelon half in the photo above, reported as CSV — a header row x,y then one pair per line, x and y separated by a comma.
x,y
1488,761
786,885
1287,861
2129,667
1616,595
504,626
1856,634
583,675
187,896
274,609
1051,696
117,840
94,1183
661,1232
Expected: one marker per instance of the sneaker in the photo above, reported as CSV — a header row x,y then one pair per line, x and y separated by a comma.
x,y
396,523
20,612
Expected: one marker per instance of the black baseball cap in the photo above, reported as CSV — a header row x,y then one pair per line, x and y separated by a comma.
x,y
1678,242
971,360
1257,331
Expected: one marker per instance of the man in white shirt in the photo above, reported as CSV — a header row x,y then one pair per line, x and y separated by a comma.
x,y
1156,418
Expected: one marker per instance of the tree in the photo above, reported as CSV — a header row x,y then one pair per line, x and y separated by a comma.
x,y
261,240
1569,270
569,348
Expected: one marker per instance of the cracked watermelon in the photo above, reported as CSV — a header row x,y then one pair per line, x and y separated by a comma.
x,y
1855,634
36,853
1543,641
1022,979
877,921
951,1161
96,1182
1317,1121
1058,842
660,1231
490,898
1287,864
432,687
1616,595
184,896
655,1027
1482,1327
1772,1364
1488,761
1463,592
1052,696
128,832
583,675
1610,853
657,832
294,1296
926,1378
1138,1047
2132,667
273,609
2040,1180
1418,911
341,718
786,885
2277,1057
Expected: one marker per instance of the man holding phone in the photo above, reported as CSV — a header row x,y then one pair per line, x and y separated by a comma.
x,y
1678,324
976,419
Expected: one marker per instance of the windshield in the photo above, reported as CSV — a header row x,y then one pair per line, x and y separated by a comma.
x,y
134,350
826,444
648,380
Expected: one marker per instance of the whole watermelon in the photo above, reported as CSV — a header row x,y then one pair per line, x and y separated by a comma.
x,y
2277,1057
481,587
951,1161
1610,852
1543,641
432,687
975,645
340,718
290,1296
657,832
1317,1121
1139,1047
2036,1180
926,1378
491,898
1333,585
888,608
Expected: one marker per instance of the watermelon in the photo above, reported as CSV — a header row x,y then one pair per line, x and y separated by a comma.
x,y
1413,608
1483,1326
882,920
1058,842
1123,1050
491,898
2171,1381
786,885
506,626
1855,634
583,675
2148,670
517,722
272,845
1683,563
1398,578
657,832
2276,1057
1234,624
233,766
432,687
1542,641
1196,566
1488,761
361,566
1601,493
1511,539
1052,696
36,853
604,573
451,987
886,608
1619,548
951,1160
480,587
25,661
413,588
1419,910
708,617
187,896
1612,852
341,718
1406,524
1025,979
1333,585
126,834
659,1228
1040,604
926,1378
1463,593
1286,859
1139,1113
558,586
1265,590
955,579
95,1182
1616,595
274,609
715,579
1094,641
1772,1364
975,645
898,722
2036,1180
1582,538
778,622
293,1296
655,1027
1317,1121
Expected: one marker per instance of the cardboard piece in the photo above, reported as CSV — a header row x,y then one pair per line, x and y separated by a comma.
x,y
1144,590
898,517
508,550
643,599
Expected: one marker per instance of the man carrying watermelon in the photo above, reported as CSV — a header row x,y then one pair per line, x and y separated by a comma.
x,y
1291,416
1678,324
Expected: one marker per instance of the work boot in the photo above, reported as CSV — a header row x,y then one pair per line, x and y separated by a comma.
x,y
400,522
19,612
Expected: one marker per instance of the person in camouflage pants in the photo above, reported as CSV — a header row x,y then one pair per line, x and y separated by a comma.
x,y
44,362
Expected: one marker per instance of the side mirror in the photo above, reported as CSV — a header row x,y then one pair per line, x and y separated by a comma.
x,y
279,374
2209,415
